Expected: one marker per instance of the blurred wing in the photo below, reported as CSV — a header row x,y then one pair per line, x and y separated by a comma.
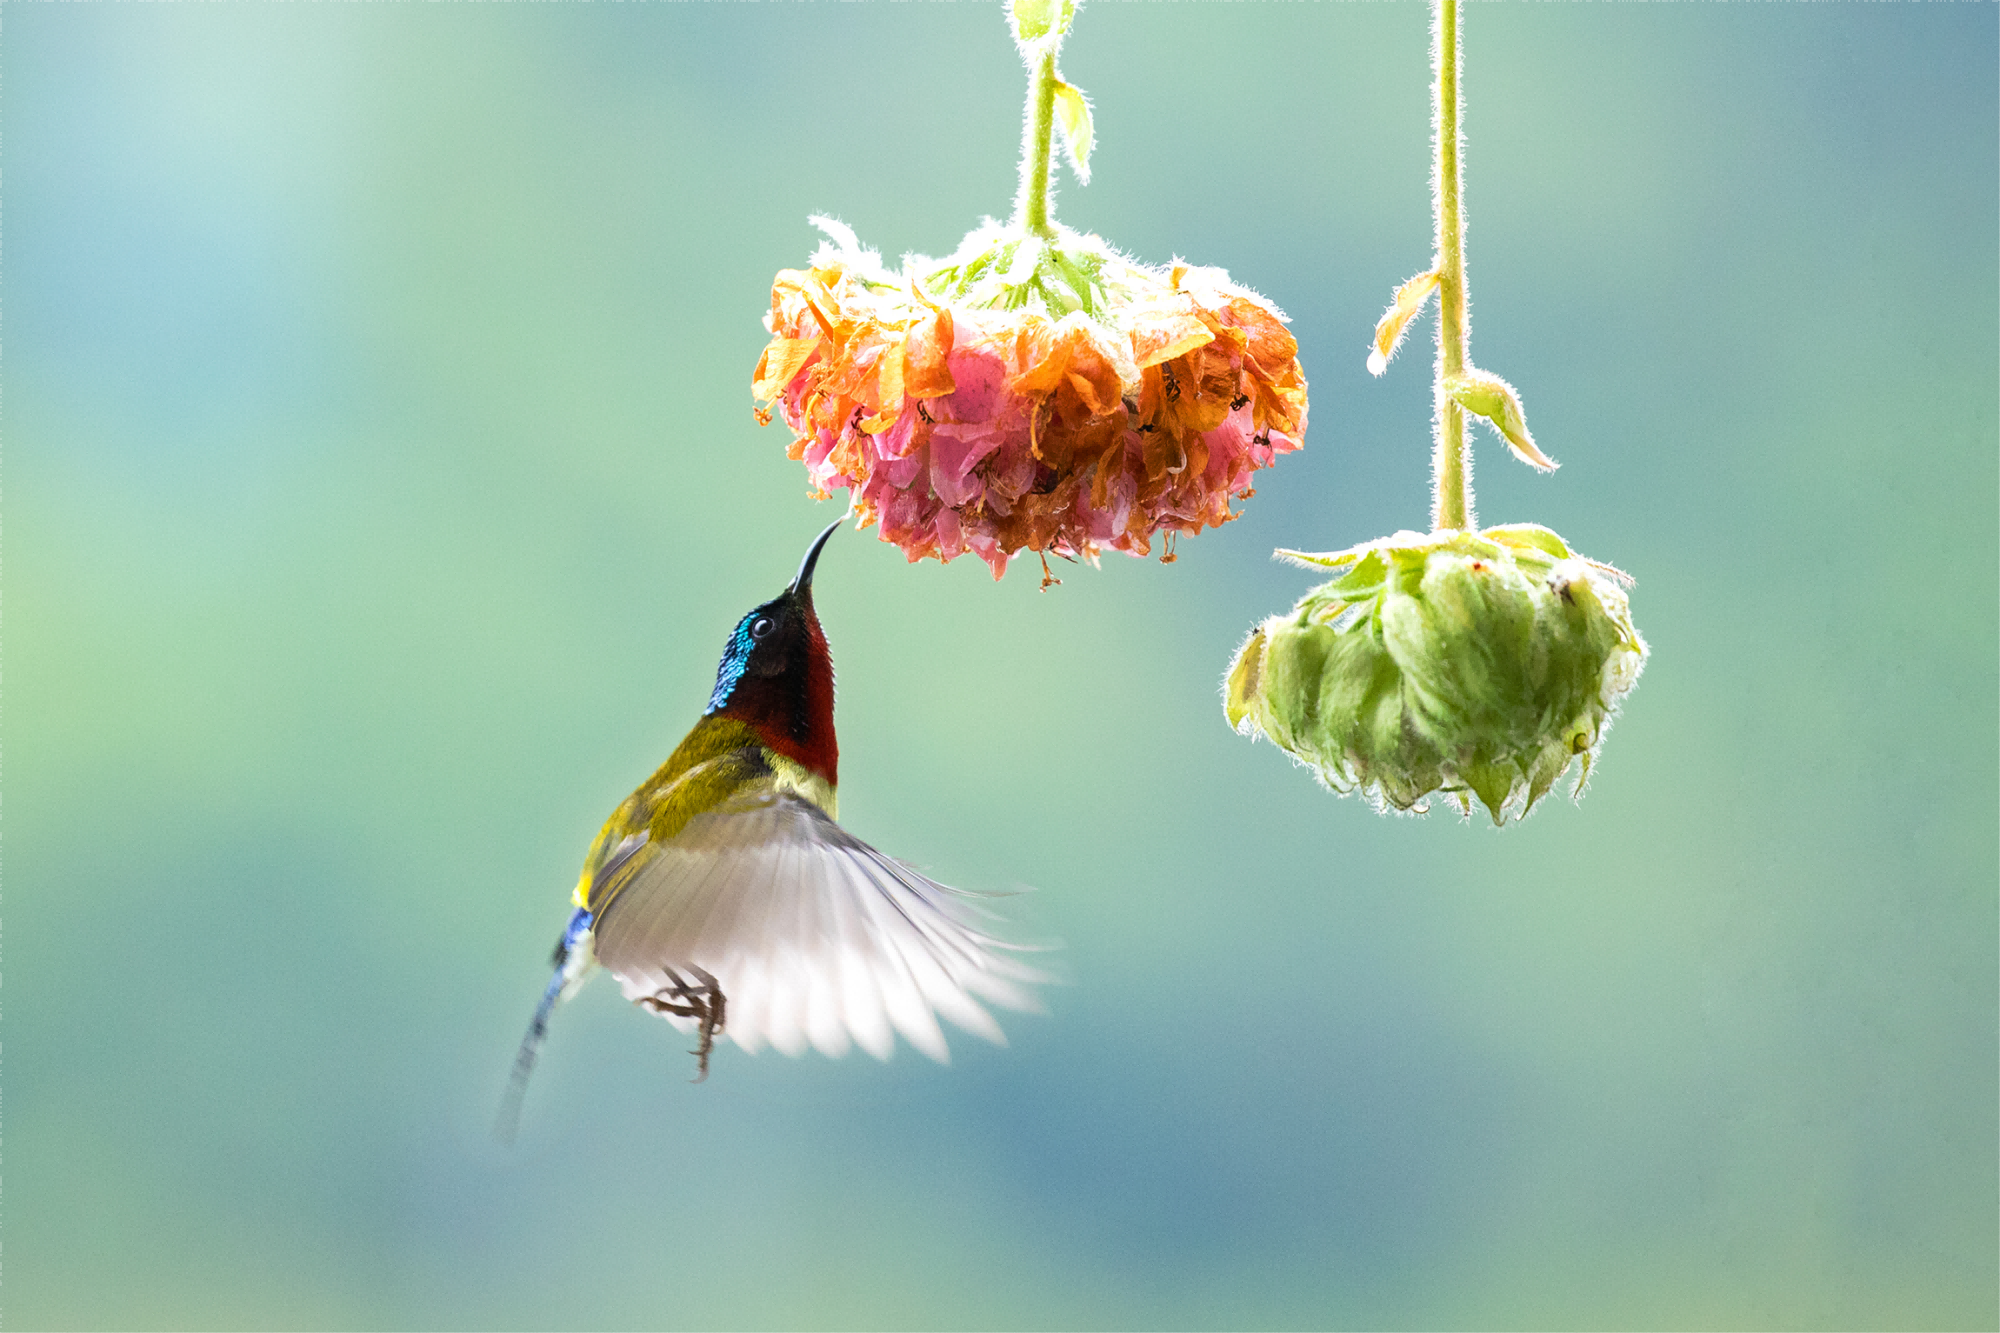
x,y
812,935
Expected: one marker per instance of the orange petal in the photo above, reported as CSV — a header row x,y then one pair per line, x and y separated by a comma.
x,y
780,362
925,374
1086,392
889,391
1044,355
1166,338
1092,377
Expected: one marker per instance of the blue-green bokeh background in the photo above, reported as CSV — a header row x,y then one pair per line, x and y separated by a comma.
x,y
381,481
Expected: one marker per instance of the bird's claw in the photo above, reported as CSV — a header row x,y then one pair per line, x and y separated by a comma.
x,y
702,1001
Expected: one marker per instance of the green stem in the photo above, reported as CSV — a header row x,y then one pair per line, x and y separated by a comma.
x,y
1031,210
1451,465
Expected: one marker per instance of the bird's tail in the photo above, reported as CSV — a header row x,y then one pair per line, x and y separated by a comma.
x,y
573,959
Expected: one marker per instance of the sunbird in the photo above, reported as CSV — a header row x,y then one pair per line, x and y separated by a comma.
x,y
724,897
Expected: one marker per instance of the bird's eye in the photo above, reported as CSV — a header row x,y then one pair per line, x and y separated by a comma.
x,y
761,626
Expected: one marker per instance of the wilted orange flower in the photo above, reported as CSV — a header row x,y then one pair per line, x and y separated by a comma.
x,y
1028,393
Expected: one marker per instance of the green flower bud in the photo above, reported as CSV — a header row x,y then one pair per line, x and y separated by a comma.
x,y
1036,19
1476,664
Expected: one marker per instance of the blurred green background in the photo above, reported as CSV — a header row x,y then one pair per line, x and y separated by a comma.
x,y
381,483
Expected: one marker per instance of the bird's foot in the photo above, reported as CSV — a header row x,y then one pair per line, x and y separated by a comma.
x,y
702,1001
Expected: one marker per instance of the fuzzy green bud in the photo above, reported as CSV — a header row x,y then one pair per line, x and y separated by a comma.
x,y
1036,19
1475,664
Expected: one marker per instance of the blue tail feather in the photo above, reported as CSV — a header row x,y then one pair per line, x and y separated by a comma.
x,y
565,976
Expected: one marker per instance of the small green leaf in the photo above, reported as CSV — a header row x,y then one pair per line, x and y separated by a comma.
x,y
1529,536
1073,114
1487,395
1245,682
1309,560
1363,581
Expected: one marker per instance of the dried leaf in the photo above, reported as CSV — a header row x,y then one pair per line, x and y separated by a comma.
x,y
1073,114
1407,304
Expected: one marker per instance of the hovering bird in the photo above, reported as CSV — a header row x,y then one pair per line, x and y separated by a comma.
x,y
724,897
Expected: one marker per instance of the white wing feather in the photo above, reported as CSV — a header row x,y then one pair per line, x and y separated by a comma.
x,y
813,936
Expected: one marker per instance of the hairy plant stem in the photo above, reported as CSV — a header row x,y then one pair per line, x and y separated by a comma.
x,y
1031,210
1451,464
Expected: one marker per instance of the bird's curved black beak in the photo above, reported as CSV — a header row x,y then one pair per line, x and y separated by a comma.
x,y
803,583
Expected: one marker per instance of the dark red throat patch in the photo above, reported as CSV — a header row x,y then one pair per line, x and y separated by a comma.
x,y
792,712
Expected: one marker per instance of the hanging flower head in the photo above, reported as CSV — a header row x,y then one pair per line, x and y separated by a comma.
x,y
1035,390
1475,664
1479,665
